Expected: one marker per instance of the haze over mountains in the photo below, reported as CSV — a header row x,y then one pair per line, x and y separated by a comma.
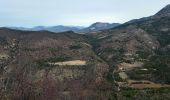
x,y
92,28
130,61
58,28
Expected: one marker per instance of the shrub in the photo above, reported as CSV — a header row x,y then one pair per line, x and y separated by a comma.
x,y
109,76
44,62
75,47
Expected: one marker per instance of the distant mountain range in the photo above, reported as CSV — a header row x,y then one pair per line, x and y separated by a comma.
x,y
60,28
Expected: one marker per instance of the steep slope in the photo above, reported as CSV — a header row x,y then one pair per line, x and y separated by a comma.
x,y
138,55
164,12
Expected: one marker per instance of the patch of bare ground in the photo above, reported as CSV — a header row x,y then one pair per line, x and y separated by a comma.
x,y
123,75
129,66
70,63
4,56
141,84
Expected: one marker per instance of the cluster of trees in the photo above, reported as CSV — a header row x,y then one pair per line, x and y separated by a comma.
x,y
144,94
157,65
21,86
78,46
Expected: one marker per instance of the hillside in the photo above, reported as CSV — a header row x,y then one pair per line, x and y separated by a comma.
x,y
126,62
138,55
29,68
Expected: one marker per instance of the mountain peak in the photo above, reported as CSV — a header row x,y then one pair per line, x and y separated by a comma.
x,y
165,11
100,24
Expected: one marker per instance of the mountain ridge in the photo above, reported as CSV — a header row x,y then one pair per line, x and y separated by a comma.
x,y
60,28
164,12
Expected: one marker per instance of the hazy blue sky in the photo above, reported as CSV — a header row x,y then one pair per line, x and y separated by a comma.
x,y
30,13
